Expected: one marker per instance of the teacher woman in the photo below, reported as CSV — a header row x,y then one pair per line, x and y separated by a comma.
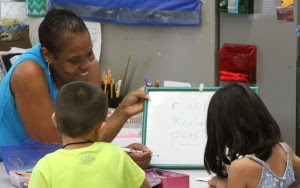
x,y
28,91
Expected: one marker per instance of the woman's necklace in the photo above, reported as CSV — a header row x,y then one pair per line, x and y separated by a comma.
x,y
73,143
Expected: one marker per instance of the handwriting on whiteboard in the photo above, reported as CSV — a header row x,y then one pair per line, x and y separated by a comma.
x,y
188,123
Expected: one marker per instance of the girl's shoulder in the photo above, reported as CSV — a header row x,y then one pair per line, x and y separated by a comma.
x,y
288,149
246,165
245,170
294,159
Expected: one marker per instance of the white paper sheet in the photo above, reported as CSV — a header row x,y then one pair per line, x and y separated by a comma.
x,y
34,24
205,179
95,32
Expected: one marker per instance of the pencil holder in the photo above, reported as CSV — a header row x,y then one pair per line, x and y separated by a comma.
x,y
238,63
114,102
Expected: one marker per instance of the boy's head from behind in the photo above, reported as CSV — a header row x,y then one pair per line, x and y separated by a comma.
x,y
80,106
239,121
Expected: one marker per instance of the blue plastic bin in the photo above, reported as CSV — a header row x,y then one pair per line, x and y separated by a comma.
x,y
23,157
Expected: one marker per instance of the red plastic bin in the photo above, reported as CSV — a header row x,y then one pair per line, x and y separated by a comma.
x,y
238,63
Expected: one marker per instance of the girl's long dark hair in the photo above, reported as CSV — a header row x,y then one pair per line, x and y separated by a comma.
x,y
238,123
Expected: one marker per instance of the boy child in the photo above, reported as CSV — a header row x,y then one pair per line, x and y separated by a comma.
x,y
80,116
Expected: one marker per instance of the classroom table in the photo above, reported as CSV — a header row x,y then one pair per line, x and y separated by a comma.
x,y
5,181
4,178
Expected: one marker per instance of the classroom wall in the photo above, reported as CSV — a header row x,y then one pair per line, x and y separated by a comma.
x,y
276,58
178,53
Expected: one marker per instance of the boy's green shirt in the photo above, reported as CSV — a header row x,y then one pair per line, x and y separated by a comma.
x,y
99,165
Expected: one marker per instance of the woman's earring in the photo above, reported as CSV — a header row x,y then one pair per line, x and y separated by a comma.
x,y
48,67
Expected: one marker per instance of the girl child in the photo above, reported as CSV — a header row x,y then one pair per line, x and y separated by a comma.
x,y
244,147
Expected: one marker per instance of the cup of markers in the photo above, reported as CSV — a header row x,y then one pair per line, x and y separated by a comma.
x,y
112,89
114,102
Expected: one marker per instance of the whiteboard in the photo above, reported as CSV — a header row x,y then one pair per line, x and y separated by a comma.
x,y
174,126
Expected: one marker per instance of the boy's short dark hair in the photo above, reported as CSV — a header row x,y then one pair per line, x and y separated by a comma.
x,y
80,106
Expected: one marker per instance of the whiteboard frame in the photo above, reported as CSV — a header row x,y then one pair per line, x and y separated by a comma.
x,y
145,115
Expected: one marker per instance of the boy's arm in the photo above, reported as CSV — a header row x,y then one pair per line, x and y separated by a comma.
x,y
146,183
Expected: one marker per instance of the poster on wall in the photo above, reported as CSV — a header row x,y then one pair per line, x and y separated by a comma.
x,y
149,12
285,14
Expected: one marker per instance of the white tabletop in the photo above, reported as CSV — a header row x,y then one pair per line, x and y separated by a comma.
x,y
4,178
5,181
